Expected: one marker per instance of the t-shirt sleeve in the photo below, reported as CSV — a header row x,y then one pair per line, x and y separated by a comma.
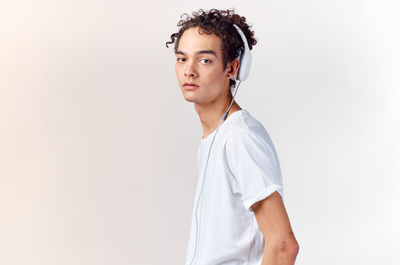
x,y
254,165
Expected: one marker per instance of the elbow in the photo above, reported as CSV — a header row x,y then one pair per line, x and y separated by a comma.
x,y
287,250
295,248
290,249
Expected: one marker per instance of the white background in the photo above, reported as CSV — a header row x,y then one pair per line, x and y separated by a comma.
x,y
98,147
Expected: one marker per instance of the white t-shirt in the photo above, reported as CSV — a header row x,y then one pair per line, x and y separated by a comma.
x,y
243,168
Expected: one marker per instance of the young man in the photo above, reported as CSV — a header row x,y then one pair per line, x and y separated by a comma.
x,y
239,216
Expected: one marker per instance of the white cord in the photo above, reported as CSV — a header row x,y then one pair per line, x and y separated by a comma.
x,y
237,83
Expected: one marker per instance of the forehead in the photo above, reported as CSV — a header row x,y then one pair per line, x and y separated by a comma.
x,y
192,41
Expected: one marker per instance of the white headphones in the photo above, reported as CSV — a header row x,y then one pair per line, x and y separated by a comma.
x,y
245,58
241,75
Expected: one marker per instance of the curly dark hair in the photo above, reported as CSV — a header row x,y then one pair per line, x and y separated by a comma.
x,y
219,22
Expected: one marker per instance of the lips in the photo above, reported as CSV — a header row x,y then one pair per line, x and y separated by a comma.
x,y
190,86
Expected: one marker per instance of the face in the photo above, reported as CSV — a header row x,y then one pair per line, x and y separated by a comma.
x,y
199,61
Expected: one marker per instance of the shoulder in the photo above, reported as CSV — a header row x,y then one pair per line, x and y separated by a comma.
x,y
249,141
255,136
249,138
243,135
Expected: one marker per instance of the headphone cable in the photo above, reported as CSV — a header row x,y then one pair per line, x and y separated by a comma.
x,y
237,83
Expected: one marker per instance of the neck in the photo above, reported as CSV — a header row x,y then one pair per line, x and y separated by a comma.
x,y
211,114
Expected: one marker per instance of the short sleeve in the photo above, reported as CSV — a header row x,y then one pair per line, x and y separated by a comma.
x,y
254,165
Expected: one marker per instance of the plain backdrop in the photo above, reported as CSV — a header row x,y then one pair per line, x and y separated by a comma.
x,y
98,148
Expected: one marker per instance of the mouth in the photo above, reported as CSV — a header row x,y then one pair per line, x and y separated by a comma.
x,y
190,86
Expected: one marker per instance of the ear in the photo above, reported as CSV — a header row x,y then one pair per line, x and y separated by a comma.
x,y
232,68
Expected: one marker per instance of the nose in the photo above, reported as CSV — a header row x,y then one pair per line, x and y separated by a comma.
x,y
190,71
189,74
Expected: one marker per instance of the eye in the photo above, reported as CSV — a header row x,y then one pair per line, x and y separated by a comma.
x,y
208,61
179,59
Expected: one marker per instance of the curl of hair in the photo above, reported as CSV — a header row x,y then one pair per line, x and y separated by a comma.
x,y
219,22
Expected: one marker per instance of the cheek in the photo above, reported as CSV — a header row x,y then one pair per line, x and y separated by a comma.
x,y
214,75
177,71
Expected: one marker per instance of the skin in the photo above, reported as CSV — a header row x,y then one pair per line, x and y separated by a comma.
x,y
281,246
211,100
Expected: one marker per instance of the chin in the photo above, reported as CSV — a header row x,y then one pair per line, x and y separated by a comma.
x,y
189,99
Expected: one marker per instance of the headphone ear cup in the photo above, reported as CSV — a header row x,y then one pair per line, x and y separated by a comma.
x,y
245,57
245,63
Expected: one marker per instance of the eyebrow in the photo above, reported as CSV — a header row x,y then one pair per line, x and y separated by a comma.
x,y
200,52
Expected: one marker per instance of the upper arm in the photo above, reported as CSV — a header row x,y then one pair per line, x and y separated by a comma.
x,y
253,165
273,222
